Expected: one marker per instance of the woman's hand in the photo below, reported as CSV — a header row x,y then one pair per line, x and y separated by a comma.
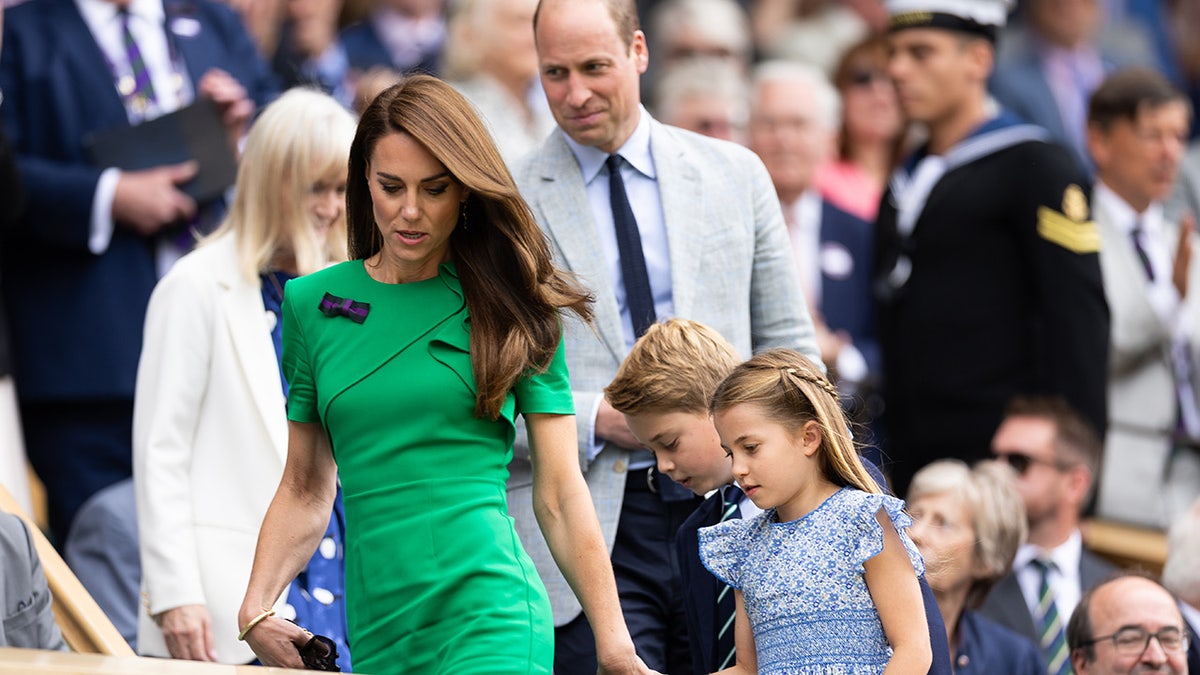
x,y
187,631
277,642
621,665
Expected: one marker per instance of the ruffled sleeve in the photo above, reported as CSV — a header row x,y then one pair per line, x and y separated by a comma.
x,y
723,549
870,534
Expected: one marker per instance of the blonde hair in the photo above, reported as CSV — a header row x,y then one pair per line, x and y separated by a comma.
x,y
675,367
791,390
990,494
300,138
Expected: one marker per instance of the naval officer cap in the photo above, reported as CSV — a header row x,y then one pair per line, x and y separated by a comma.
x,y
978,17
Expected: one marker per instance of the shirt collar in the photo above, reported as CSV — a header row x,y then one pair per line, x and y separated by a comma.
x,y
1065,556
1123,214
1191,615
100,12
636,151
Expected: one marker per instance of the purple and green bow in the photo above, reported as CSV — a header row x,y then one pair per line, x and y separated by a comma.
x,y
332,305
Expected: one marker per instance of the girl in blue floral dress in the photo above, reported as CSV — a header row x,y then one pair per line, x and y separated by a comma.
x,y
825,578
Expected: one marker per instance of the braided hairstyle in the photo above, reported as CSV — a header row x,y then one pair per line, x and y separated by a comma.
x,y
791,390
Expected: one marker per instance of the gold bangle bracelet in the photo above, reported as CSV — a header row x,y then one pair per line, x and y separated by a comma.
x,y
254,622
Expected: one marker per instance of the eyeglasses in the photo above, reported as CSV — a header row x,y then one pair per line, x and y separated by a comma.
x,y
1020,462
1134,640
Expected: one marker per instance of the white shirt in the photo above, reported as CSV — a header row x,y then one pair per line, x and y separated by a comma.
x,y
1064,577
146,23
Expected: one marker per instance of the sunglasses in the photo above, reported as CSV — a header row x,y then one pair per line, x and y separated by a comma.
x,y
1020,462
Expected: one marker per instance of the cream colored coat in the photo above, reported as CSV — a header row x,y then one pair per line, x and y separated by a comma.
x,y
209,442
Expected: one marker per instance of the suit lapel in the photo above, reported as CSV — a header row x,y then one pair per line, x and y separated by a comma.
x,y
197,54
567,215
241,305
88,62
683,214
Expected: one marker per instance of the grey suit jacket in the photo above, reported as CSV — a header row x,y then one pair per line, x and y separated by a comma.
x,y
1006,605
731,268
28,621
1135,478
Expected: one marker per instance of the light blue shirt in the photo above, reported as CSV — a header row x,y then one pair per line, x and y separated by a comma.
x,y
641,187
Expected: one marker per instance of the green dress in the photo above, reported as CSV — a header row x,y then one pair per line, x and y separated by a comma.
x,y
436,579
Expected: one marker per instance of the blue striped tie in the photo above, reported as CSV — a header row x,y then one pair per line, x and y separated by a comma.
x,y
1052,638
726,607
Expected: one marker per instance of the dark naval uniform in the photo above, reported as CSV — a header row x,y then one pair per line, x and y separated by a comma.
x,y
988,285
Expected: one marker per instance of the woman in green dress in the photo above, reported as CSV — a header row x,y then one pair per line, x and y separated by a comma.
x,y
407,367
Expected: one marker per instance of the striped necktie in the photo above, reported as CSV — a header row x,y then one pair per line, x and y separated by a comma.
x,y
726,607
141,91
1052,638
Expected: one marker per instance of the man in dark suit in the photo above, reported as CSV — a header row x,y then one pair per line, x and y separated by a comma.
x,y
1055,453
987,277
663,388
404,35
81,262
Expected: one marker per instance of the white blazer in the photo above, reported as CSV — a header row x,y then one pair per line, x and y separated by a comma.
x,y
209,442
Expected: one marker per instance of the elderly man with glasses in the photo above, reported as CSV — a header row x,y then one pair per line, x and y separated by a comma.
x,y
1129,624
1055,453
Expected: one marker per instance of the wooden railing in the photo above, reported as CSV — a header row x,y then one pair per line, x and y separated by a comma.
x,y
1126,545
85,627
38,662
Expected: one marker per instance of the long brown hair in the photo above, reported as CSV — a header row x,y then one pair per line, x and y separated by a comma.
x,y
792,391
513,291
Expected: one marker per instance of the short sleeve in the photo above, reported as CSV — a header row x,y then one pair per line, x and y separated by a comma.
x,y
297,365
723,549
870,532
547,392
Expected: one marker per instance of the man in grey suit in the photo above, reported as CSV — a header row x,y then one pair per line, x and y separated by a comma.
x,y
28,621
1055,454
1138,126
709,244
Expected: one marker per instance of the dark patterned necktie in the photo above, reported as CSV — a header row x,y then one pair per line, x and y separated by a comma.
x,y
638,295
142,92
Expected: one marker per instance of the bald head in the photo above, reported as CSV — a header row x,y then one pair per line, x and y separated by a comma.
x,y
1107,631
622,12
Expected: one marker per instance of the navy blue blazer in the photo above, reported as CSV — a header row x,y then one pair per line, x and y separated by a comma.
x,y
700,589
75,317
364,50
987,648
846,291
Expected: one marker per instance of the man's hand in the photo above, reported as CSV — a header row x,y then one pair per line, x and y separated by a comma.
x,y
231,99
149,200
611,427
188,632
1183,254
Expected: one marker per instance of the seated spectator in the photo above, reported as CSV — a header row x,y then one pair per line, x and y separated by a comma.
x,y
1137,130
492,60
1052,59
27,620
210,430
968,523
1055,454
102,551
687,30
872,131
309,52
705,96
1181,575
404,35
1129,624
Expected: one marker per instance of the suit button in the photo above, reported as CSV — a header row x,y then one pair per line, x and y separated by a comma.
x,y
619,466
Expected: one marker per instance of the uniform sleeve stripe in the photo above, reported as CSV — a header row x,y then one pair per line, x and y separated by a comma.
x,y
1072,235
